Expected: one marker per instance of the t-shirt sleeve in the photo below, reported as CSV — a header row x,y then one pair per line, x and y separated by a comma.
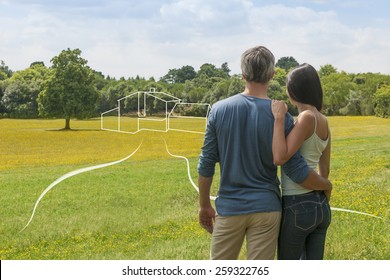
x,y
209,154
296,167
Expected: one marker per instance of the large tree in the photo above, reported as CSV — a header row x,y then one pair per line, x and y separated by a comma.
x,y
336,88
5,72
69,91
20,99
185,73
287,63
21,91
210,71
326,70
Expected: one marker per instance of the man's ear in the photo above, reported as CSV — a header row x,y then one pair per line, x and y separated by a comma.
x,y
243,77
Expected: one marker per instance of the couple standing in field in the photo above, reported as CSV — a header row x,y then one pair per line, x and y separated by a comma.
x,y
249,135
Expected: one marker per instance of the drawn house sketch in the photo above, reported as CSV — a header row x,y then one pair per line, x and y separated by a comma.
x,y
155,111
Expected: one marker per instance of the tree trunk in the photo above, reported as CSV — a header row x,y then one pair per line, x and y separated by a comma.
x,y
67,123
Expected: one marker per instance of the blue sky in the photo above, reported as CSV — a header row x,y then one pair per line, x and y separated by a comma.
x,y
126,38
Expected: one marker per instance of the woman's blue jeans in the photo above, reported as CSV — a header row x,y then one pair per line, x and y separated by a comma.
x,y
305,220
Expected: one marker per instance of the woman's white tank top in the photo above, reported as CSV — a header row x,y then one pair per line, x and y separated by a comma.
x,y
311,150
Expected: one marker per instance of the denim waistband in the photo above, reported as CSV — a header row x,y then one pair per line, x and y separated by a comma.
x,y
314,196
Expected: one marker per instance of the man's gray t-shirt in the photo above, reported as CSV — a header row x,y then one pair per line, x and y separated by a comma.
x,y
239,136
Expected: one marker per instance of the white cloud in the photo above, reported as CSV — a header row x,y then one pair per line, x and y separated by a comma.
x,y
150,37
319,38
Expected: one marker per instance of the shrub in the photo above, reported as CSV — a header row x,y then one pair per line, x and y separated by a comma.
x,y
382,101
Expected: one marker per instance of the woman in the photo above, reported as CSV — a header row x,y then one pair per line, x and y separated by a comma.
x,y
306,213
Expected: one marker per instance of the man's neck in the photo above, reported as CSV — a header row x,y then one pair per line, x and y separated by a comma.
x,y
256,90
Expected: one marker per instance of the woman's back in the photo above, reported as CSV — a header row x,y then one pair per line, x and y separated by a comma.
x,y
311,150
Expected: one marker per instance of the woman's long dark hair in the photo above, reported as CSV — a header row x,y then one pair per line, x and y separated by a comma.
x,y
304,85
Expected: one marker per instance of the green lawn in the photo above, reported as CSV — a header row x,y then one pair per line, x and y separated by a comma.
x,y
146,208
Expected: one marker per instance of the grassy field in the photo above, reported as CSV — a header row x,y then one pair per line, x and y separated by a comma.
x,y
146,208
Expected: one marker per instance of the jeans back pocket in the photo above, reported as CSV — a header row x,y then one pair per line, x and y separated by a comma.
x,y
305,215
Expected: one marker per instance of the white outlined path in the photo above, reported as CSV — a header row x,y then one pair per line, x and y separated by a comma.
x,y
73,173
188,168
90,168
355,212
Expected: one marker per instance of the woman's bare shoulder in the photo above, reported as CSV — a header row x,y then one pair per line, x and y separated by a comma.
x,y
307,117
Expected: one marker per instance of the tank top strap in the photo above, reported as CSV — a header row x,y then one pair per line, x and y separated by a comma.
x,y
315,121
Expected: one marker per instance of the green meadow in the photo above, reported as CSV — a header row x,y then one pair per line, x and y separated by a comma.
x,y
146,207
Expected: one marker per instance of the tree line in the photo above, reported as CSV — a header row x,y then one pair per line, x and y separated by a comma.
x,y
69,88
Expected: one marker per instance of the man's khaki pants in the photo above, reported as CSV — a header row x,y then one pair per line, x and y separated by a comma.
x,y
261,231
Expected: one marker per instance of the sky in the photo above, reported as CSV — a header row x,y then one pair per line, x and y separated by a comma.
x,y
147,38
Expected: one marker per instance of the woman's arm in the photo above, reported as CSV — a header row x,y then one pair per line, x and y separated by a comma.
x,y
324,164
283,148
316,183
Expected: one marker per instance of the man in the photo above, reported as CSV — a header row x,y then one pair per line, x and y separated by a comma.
x,y
239,137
